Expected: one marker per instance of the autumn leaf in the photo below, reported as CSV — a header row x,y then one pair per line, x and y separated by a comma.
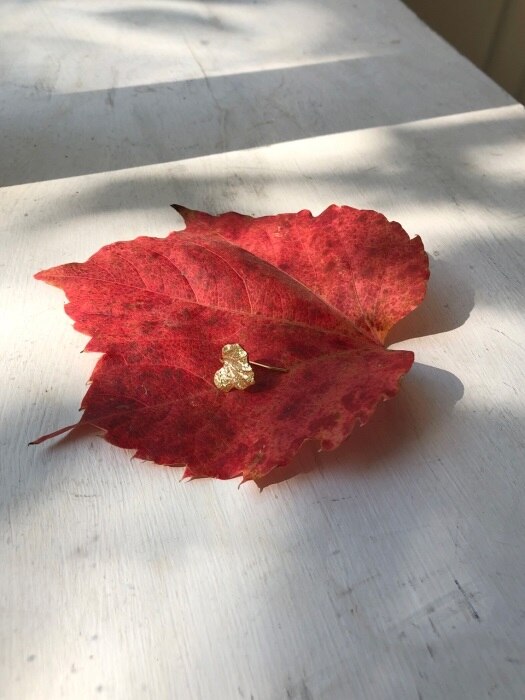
x,y
358,261
313,295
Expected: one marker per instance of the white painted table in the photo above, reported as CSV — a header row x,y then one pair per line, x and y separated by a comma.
x,y
394,568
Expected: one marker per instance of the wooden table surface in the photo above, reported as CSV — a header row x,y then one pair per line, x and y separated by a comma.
x,y
392,568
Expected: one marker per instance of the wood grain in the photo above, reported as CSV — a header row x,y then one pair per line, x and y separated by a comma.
x,y
391,568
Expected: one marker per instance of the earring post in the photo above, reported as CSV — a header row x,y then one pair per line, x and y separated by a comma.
x,y
275,369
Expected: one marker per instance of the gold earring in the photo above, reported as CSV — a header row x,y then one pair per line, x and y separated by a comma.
x,y
237,372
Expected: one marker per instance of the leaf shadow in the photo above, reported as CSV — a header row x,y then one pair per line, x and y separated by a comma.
x,y
440,310
423,407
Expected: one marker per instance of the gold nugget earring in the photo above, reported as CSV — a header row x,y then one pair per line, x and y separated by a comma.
x,y
237,372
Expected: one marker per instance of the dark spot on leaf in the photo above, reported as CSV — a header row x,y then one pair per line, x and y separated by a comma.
x,y
324,423
289,411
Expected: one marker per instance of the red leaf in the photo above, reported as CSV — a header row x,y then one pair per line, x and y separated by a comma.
x,y
358,261
315,296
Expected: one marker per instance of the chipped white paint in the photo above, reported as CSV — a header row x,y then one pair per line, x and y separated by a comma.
x,y
395,567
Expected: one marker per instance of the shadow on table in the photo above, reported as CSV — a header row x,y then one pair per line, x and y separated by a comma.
x,y
450,172
48,134
377,546
440,310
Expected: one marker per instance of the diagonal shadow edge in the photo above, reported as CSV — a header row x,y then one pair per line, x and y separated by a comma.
x,y
98,131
